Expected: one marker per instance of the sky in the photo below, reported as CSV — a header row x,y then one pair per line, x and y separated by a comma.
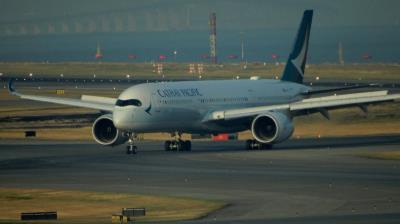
x,y
60,30
73,16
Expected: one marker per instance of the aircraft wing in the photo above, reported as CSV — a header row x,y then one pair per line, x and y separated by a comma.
x,y
313,92
305,106
86,103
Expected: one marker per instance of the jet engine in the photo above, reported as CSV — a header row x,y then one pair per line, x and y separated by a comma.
x,y
105,133
273,127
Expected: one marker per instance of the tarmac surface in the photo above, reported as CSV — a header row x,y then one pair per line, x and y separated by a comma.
x,y
299,181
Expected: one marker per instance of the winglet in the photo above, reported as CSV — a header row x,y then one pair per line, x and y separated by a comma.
x,y
11,88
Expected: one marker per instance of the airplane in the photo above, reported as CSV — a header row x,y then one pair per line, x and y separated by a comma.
x,y
266,107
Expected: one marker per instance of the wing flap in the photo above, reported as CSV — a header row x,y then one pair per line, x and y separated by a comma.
x,y
313,92
347,96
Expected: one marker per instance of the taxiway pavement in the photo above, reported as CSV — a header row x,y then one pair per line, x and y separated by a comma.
x,y
300,181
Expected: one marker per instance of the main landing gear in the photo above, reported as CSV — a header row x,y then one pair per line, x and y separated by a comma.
x,y
178,144
131,147
254,145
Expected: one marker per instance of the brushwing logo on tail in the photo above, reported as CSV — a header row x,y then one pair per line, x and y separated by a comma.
x,y
294,69
301,57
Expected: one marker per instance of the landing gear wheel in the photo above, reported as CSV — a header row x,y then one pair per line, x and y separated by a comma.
x,y
249,144
254,145
266,146
167,145
188,145
131,149
180,146
177,144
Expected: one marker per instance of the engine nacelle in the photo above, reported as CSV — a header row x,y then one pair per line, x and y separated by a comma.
x,y
273,127
105,133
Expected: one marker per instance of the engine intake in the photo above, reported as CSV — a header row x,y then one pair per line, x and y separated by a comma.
x,y
105,133
273,127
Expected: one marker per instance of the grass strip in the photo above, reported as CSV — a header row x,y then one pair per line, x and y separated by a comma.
x,y
97,207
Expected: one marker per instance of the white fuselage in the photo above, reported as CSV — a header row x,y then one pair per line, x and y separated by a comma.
x,y
182,106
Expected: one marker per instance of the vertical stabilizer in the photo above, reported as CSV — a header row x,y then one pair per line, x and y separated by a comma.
x,y
294,69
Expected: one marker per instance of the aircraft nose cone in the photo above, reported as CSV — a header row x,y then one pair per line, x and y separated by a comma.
x,y
117,121
121,119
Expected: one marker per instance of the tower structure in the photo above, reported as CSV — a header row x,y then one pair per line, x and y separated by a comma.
x,y
242,46
98,55
213,38
340,54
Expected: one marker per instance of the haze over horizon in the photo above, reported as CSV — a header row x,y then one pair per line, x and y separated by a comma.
x,y
25,17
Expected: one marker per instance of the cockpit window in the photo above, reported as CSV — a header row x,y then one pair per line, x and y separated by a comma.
x,y
131,102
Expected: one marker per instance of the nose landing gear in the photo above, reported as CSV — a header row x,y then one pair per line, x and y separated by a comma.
x,y
131,147
178,144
